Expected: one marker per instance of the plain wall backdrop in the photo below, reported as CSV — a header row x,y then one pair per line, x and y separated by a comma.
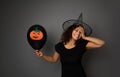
x,y
17,58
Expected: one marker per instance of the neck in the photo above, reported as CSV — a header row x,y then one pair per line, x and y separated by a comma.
x,y
71,42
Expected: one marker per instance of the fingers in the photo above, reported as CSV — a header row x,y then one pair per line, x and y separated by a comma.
x,y
36,50
82,30
38,53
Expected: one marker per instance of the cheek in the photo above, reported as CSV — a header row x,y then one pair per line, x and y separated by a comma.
x,y
76,33
32,34
40,35
73,33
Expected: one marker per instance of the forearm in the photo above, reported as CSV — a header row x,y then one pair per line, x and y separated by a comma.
x,y
48,58
52,58
95,40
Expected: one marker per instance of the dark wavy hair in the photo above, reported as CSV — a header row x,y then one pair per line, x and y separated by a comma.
x,y
67,34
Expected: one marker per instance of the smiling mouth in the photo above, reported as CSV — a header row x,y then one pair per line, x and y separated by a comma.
x,y
77,36
35,37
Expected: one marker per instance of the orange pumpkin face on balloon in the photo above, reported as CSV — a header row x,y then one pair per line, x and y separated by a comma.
x,y
36,34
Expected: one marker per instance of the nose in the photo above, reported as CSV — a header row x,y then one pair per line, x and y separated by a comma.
x,y
78,32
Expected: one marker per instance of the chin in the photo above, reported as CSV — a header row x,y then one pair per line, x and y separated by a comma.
x,y
76,39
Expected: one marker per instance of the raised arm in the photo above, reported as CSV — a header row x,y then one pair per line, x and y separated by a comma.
x,y
93,41
54,58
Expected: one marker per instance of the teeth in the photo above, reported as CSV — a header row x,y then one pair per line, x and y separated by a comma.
x,y
76,35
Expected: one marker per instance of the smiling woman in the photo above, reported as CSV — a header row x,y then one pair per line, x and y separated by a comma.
x,y
74,42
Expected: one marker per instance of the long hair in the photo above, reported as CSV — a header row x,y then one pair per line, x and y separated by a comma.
x,y
67,34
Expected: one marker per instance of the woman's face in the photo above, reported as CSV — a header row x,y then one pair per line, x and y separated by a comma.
x,y
76,33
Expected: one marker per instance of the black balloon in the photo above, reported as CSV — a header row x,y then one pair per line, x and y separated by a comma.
x,y
36,36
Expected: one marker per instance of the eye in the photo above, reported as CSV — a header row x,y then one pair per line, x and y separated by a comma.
x,y
38,33
76,30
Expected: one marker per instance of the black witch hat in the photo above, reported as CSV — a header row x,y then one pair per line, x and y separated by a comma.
x,y
68,23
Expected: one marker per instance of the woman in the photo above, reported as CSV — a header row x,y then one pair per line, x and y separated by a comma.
x,y
74,43
70,50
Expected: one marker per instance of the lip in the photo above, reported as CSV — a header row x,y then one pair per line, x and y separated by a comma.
x,y
76,35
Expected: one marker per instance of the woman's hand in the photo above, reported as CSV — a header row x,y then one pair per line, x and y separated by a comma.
x,y
39,53
83,33
52,59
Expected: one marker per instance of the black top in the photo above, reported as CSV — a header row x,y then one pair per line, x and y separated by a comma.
x,y
71,59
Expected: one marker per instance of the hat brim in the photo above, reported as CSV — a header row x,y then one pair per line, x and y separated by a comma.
x,y
68,23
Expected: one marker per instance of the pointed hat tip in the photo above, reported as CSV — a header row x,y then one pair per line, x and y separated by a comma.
x,y
81,14
80,18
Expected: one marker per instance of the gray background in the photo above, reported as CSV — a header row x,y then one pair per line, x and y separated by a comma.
x,y
17,58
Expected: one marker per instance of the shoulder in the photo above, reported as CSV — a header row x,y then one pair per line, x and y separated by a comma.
x,y
59,47
59,44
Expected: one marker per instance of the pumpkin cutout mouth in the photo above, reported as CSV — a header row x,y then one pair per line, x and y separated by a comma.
x,y
35,37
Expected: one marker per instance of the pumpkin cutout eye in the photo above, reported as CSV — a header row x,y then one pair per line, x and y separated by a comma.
x,y
36,35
